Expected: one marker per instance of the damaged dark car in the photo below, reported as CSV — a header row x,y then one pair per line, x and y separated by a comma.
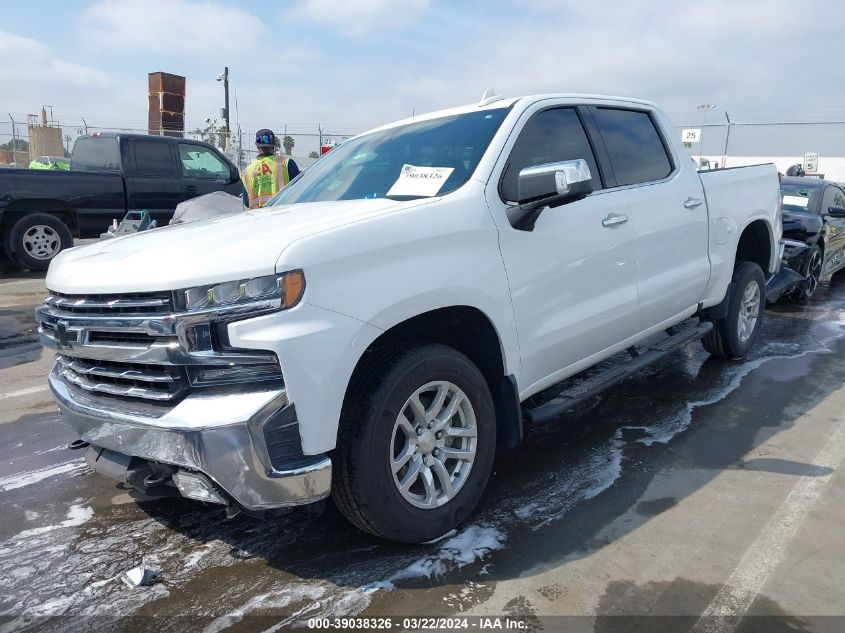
x,y
813,236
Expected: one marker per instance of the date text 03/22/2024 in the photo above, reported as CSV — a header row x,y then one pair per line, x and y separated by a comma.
x,y
419,624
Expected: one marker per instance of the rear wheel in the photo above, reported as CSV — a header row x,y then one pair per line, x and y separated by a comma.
x,y
733,336
35,239
415,452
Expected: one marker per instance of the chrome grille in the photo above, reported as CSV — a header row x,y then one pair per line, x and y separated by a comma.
x,y
142,347
135,303
134,380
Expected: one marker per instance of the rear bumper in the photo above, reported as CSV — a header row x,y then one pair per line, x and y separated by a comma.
x,y
219,435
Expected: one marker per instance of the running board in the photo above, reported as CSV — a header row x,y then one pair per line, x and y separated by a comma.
x,y
640,358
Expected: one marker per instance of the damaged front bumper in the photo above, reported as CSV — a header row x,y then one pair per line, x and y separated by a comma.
x,y
214,445
787,278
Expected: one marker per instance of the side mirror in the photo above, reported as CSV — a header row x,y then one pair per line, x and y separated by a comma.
x,y
836,212
548,185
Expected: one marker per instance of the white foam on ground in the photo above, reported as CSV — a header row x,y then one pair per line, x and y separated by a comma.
x,y
77,515
317,599
34,476
473,543
663,431
550,498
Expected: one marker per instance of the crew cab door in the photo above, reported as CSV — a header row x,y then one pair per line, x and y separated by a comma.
x,y
153,183
667,207
204,171
573,277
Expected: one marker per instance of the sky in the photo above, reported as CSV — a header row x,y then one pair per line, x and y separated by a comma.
x,y
348,65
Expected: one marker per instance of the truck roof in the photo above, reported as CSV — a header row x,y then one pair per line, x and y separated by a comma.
x,y
507,103
133,135
809,182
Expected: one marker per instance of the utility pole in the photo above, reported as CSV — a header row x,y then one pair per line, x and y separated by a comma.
x,y
727,139
703,108
14,141
224,77
226,95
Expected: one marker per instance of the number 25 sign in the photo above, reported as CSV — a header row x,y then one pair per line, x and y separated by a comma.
x,y
691,135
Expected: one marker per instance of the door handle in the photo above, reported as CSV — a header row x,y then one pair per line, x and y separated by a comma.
x,y
614,219
692,203
191,188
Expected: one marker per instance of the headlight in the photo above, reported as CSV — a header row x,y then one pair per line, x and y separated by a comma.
x,y
287,287
793,248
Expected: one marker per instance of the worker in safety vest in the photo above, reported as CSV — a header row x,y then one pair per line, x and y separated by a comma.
x,y
264,177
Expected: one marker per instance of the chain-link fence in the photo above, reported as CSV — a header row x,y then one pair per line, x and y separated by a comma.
x,y
796,138
302,143
716,140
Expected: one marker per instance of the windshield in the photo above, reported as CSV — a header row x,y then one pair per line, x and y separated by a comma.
x,y
799,198
417,160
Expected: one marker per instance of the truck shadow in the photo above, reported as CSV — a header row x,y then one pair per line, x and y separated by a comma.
x,y
550,499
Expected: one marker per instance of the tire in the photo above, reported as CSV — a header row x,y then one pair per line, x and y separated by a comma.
x,y
35,239
727,339
811,270
372,440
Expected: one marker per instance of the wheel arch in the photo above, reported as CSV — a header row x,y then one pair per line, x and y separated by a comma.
x,y
21,208
461,327
755,245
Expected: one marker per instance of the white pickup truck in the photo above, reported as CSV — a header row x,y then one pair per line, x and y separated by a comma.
x,y
379,330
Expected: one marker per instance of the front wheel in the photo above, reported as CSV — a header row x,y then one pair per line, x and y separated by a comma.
x,y
415,452
733,336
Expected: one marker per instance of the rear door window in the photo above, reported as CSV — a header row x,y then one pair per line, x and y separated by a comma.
x,y
153,158
549,136
96,153
636,151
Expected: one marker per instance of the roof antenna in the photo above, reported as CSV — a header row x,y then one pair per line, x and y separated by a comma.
x,y
488,97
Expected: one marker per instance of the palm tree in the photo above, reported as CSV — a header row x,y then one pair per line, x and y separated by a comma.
x,y
288,144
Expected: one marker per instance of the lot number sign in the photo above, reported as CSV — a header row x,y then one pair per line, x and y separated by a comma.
x,y
691,135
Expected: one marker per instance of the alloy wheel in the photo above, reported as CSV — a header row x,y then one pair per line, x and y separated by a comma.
x,y
814,273
433,445
749,311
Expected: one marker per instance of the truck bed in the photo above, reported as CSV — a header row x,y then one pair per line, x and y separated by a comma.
x,y
96,196
736,197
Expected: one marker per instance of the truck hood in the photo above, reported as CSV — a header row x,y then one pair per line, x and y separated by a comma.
x,y
225,248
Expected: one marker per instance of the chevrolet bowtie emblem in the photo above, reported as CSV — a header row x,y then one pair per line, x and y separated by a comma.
x,y
61,334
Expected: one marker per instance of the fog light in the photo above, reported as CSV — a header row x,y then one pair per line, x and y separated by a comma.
x,y
196,486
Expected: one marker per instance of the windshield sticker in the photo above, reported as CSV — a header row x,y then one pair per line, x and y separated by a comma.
x,y
420,181
796,201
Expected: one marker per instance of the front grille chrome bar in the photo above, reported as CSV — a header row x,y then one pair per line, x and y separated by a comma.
x,y
153,325
137,346
115,389
160,352
114,304
145,375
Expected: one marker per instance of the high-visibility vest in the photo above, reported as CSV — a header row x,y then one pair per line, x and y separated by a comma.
x,y
264,177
